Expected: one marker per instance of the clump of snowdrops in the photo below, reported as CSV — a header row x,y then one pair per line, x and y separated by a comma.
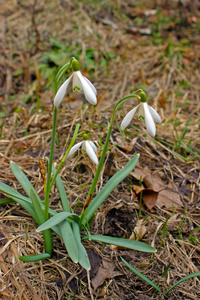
x,y
71,227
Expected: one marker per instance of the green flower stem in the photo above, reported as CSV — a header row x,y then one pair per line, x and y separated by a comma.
x,y
119,103
46,201
66,153
94,183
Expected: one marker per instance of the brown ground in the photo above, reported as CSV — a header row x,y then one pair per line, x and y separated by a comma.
x,y
121,46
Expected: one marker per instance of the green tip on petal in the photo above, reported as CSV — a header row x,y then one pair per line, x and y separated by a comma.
x,y
75,65
143,97
85,137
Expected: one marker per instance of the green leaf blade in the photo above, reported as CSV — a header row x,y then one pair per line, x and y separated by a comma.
x,y
83,256
109,187
62,192
22,178
34,258
69,240
141,275
55,220
41,218
126,243
181,280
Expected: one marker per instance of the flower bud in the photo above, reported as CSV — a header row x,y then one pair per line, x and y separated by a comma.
x,y
85,137
143,97
75,65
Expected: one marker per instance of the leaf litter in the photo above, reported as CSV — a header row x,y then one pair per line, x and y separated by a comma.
x,y
153,46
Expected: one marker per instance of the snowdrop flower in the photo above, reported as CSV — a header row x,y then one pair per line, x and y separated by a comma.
x,y
79,83
145,112
87,146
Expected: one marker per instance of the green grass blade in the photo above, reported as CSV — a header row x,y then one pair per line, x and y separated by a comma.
x,y
41,218
22,178
181,280
55,220
109,187
6,201
34,258
62,192
141,275
69,240
126,243
83,256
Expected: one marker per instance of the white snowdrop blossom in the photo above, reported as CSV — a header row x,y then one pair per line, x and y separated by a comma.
x,y
80,83
145,112
87,146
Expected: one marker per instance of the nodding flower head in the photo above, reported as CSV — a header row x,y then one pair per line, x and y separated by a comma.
x,y
145,112
87,146
79,83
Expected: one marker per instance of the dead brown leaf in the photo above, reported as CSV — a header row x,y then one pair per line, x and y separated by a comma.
x,y
149,198
157,192
168,198
107,272
139,231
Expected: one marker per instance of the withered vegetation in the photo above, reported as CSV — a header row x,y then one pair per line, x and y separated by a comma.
x,y
121,46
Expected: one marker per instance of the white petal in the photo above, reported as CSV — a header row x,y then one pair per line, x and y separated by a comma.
x,y
141,111
91,85
77,86
151,128
91,152
74,149
93,146
127,119
88,91
61,92
154,114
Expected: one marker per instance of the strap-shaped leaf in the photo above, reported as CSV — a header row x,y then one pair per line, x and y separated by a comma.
x,y
22,178
37,207
126,243
109,187
69,240
62,192
141,275
20,199
6,189
83,256
6,201
34,258
25,202
55,220
41,218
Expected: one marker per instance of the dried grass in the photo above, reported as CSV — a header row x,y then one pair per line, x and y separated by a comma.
x,y
24,36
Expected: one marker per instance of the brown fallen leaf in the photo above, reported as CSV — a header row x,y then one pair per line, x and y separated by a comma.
x,y
149,196
154,181
139,231
123,145
140,172
157,192
169,199
107,272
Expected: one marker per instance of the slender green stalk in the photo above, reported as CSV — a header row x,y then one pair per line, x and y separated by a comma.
x,y
120,102
47,191
96,177
66,153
